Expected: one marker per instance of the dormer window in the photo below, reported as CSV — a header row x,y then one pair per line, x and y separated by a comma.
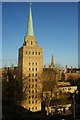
x,y
31,42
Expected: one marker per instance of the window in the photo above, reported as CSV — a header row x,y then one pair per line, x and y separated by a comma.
x,y
32,69
36,108
31,42
38,53
32,108
29,97
32,91
36,80
33,63
26,52
36,74
29,63
32,102
32,53
29,74
36,69
29,86
29,52
32,74
29,68
32,80
36,85
36,101
35,53
36,63
29,102
32,96
32,86
36,91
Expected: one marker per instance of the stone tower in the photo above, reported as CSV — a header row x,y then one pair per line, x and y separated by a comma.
x,y
30,64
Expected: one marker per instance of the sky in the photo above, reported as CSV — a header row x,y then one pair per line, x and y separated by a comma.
x,y
55,28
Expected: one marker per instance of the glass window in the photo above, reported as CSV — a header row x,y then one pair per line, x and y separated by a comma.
x,y
32,53
32,108
31,42
36,80
29,102
29,63
29,68
36,85
32,96
29,97
36,108
33,63
32,69
32,102
36,101
32,91
29,74
38,53
35,53
36,69
32,86
29,52
32,74
36,74
32,80
36,63
26,52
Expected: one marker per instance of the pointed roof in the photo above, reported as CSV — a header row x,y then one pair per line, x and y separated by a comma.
x,y
52,62
30,31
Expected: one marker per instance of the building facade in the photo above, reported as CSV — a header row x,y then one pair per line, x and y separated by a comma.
x,y
30,63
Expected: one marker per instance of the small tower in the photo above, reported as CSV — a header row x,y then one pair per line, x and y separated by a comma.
x,y
52,62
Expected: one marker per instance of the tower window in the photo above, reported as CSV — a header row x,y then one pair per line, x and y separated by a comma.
x,y
32,91
36,80
32,53
32,63
32,96
32,69
38,53
29,52
32,86
35,53
32,102
36,74
33,74
32,108
29,68
32,80
31,42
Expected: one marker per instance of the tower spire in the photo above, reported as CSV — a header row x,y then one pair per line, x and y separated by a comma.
x,y
30,31
52,62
